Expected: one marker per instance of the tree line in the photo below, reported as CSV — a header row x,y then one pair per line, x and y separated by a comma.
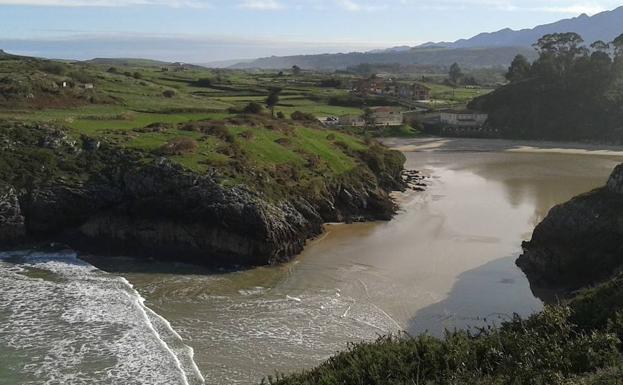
x,y
573,91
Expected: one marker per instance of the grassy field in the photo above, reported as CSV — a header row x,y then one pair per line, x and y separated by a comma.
x,y
144,105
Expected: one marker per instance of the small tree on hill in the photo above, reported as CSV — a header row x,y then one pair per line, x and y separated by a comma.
x,y
272,100
253,108
368,117
296,70
456,74
519,69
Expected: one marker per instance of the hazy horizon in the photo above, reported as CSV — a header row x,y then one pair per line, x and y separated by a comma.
x,y
205,31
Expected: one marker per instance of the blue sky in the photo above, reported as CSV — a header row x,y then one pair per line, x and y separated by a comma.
x,y
209,30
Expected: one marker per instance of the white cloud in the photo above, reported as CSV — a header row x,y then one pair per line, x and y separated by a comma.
x,y
262,5
110,3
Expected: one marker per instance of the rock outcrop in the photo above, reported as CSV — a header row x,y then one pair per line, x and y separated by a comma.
x,y
579,242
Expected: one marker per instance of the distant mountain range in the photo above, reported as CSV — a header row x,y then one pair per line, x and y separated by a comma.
x,y
483,50
604,26
468,57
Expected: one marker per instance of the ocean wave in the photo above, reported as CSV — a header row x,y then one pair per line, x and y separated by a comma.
x,y
66,322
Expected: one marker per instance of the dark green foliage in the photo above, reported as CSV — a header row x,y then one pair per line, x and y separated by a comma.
x,y
519,69
272,99
203,82
595,307
81,77
253,108
456,74
331,83
547,348
168,93
53,68
303,116
567,93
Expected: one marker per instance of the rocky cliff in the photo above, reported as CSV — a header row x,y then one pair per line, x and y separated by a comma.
x,y
105,200
579,242
12,226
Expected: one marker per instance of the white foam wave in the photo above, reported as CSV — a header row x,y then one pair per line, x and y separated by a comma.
x,y
66,322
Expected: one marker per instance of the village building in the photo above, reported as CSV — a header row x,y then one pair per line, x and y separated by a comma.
x,y
373,85
352,121
389,87
415,91
463,118
386,116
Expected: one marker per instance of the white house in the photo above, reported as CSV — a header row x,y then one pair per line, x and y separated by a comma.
x,y
463,118
329,121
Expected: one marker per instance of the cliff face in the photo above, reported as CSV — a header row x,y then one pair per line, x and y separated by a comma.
x,y
579,242
125,206
12,226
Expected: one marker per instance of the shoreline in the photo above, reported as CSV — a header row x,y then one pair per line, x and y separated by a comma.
x,y
428,144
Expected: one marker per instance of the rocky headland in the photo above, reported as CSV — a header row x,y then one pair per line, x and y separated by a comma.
x,y
102,199
580,242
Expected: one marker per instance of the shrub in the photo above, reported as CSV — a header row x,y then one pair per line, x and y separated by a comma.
x,y
302,116
281,115
81,77
179,146
168,93
203,82
253,108
331,83
544,349
53,68
137,75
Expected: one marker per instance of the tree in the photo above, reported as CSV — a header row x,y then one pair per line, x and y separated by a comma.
x,y
618,46
273,99
519,69
455,74
600,46
368,117
168,93
561,44
296,70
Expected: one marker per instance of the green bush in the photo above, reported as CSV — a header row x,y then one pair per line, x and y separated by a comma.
x,y
253,108
53,68
302,116
544,349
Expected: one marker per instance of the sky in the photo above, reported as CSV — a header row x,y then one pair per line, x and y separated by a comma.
x,y
203,31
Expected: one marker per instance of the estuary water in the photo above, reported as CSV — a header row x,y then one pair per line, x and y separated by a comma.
x,y
446,261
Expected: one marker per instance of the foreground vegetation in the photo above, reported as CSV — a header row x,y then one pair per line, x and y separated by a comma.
x,y
578,342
